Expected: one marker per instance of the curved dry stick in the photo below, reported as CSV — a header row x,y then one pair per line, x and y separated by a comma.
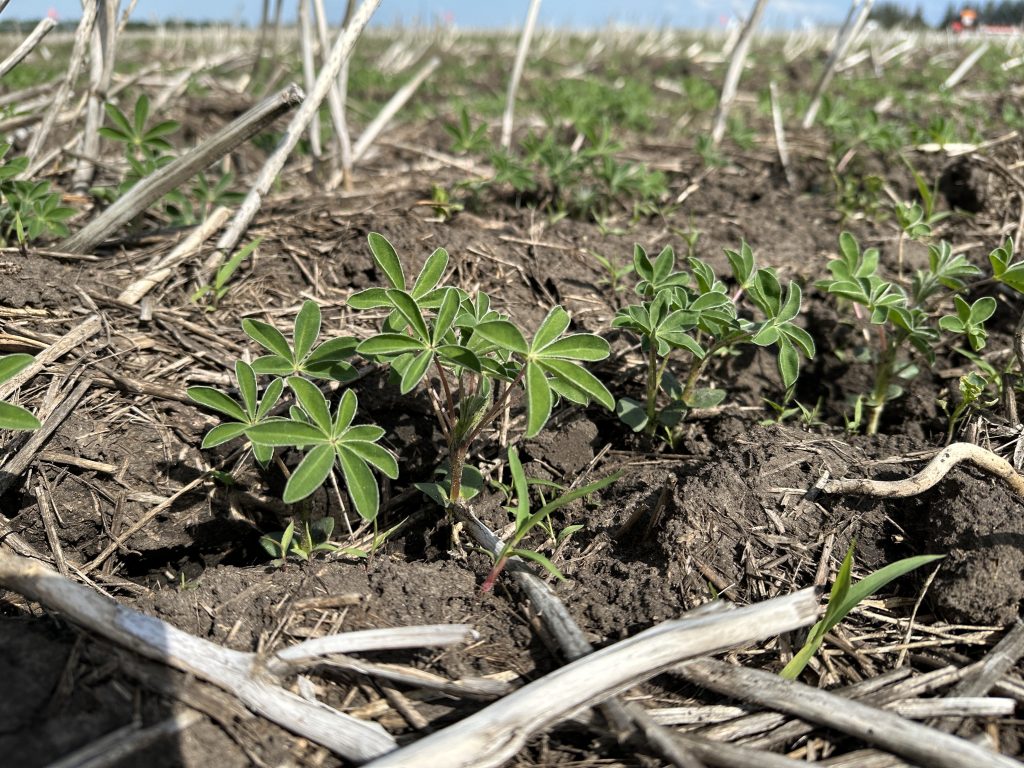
x,y
935,470
27,45
234,671
245,675
496,733
914,742
183,168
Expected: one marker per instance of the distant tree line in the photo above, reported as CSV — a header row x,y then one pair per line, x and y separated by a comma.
x,y
890,14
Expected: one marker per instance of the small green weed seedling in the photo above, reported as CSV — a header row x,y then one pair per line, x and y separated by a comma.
x,y
844,597
527,520
480,359
693,311
587,181
315,537
615,275
467,138
219,288
14,416
898,320
185,211
328,439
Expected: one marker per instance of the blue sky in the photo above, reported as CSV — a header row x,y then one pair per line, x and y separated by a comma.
x,y
477,13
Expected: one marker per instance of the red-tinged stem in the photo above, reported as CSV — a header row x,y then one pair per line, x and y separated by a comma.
x,y
493,575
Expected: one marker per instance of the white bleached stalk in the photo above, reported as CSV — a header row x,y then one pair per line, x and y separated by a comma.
x,y
308,71
346,137
327,77
732,76
125,16
158,184
389,110
101,69
30,42
855,19
82,35
517,73
780,132
386,114
335,104
165,268
233,671
494,734
960,72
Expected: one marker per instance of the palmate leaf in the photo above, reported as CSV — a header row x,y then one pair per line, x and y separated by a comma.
x,y
415,371
431,274
246,378
312,401
273,365
223,433
788,362
632,413
324,361
459,356
551,327
577,346
345,412
375,455
331,351
446,314
333,439
389,344
141,114
410,312
117,117
581,379
160,129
